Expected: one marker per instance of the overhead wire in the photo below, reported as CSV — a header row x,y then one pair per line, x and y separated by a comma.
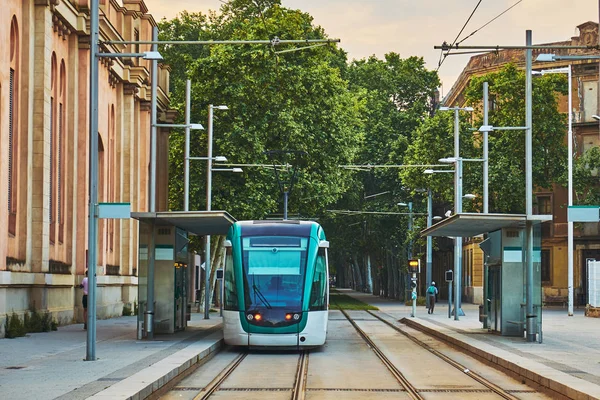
x,y
489,22
444,55
459,33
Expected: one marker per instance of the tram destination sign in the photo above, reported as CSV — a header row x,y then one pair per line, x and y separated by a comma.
x,y
583,214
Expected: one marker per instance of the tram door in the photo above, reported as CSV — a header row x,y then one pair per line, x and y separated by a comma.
x,y
494,300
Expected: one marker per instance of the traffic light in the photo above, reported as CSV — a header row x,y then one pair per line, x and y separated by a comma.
x,y
449,275
414,266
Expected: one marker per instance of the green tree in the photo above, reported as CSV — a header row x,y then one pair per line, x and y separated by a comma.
x,y
585,177
507,148
294,101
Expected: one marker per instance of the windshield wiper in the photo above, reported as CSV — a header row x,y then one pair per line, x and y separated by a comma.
x,y
261,296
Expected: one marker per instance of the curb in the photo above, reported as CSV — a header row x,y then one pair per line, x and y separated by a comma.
x,y
147,381
553,382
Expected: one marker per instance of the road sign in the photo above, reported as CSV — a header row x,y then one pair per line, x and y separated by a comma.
x,y
583,213
449,275
114,210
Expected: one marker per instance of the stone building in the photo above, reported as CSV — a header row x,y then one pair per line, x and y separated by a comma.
x,y
549,200
44,151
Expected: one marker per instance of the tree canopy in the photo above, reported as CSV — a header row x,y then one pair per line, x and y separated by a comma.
x,y
295,101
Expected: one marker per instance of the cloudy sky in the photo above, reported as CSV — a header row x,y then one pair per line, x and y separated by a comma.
x,y
414,27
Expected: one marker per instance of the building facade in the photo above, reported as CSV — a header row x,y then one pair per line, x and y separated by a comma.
x,y
584,96
44,153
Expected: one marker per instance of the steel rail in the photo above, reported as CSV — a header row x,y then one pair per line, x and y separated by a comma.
x,y
493,387
219,379
410,389
299,389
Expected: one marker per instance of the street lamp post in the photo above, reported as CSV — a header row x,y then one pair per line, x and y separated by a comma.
x,y
409,251
457,209
93,167
209,170
429,261
568,71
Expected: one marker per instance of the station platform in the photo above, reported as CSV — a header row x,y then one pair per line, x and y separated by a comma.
x,y
51,365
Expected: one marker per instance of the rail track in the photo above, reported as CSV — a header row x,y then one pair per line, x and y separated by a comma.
x,y
298,390
351,366
411,390
485,382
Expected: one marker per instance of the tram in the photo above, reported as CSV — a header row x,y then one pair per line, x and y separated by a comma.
x,y
276,291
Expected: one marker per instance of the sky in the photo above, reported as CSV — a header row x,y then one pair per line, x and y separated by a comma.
x,y
414,27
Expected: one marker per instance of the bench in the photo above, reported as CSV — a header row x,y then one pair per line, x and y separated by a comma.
x,y
557,300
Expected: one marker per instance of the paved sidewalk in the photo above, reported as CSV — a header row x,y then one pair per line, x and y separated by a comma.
x,y
51,365
567,361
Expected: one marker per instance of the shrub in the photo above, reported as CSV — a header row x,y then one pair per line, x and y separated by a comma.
x,y
47,322
34,322
126,310
14,327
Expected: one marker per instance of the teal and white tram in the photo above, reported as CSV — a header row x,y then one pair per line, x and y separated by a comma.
x,y
276,290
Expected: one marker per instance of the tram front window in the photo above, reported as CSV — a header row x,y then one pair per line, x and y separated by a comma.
x,y
274,268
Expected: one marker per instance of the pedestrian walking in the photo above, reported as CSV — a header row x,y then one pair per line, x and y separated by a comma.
x,y
432,291
84,299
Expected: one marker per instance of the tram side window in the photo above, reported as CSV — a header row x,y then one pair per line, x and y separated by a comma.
x,y
319,284
230,298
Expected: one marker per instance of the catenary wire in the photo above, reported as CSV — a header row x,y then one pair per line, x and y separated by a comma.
x,y
459,33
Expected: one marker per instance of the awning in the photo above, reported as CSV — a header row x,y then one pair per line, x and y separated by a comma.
x,y
195,222
473,224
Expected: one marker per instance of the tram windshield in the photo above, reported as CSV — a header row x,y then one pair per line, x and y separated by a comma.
x,y
274,268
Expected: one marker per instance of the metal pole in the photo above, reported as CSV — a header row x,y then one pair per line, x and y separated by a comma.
x,y
154,86
428,262
208,207
485,149
152,203
570,201
93,182
457,210
410,255
285,204
530,316
186,201
450,299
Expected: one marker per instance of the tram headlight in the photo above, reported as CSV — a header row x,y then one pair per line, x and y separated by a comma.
x,y
253,317
292,316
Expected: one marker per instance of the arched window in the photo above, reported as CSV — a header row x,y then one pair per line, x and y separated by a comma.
x,y
13,131
111,172
53,120
60,152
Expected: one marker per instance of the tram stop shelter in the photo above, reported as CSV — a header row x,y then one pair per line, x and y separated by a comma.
x,y
163,271
505,263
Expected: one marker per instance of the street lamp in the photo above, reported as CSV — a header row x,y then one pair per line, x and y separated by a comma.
x,y
457,205
146,55
209,170
430,219
92,257
409,252
234,170
567,70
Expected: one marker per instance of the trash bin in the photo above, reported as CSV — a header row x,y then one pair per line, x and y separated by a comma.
x,y
482,316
